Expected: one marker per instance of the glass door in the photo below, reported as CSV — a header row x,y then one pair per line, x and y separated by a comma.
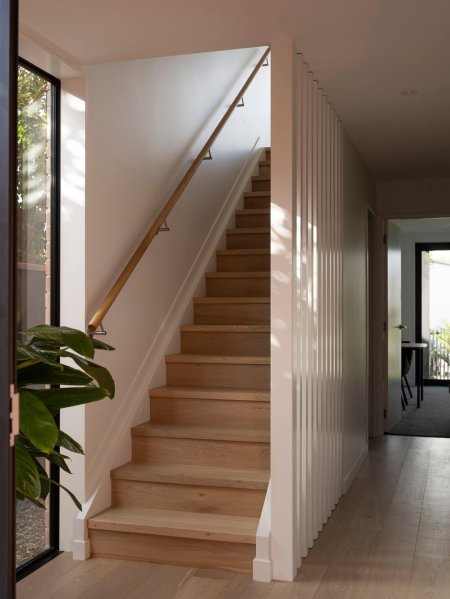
x,y
8,112
37,265
433,309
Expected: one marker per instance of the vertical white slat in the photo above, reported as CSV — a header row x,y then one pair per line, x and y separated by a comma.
x,y
304,317
321,306
327,302
299,321
341,299
316,466
327,203
309,254
336,402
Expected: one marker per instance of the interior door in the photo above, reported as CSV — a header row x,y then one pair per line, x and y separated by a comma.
x,y
8,133
394,335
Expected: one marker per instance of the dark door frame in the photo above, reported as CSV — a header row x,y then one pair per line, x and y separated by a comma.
x,y
8,136
419,248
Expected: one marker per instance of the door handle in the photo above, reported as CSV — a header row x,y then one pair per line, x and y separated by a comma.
x,y
401,326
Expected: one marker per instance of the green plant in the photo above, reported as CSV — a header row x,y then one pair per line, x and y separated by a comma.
x,y
43,353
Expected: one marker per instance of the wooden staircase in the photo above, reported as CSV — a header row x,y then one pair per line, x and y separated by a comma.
x,y
194,491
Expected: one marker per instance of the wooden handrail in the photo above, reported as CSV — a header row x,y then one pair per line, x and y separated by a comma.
x,y
106,304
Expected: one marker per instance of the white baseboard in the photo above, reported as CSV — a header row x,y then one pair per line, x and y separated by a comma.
x,y
103,461
351,474
81,550
262,564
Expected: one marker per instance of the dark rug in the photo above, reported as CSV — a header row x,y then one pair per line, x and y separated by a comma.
x,y
432,419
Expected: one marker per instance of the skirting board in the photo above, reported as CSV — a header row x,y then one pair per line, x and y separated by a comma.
x,y
351,475
262,564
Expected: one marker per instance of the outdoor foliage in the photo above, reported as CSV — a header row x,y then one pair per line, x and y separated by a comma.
x,y
32,157
39,365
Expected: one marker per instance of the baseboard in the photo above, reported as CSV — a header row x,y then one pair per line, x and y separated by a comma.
x,y
262,564
103,461
351,474
81,550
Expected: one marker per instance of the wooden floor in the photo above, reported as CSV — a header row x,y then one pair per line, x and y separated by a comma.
x,y
388,537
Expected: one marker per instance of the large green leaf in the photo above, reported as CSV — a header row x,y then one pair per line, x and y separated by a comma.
x,y
43,374
67,397
66,441
28,352
71,495
97,372
102,345
36,422
73,338
28,483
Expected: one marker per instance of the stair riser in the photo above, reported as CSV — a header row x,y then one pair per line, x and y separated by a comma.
x,y
242,376
261,185
262,203
210,500
248,241
268,154
232,344
237,557
232,313
243,263
252,220
264,169
202,452
210,412
239,287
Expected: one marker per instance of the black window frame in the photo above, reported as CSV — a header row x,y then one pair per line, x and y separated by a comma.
x,y
55,211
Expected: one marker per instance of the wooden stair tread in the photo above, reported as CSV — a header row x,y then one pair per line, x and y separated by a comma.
x,y
248,231
244,252
181,474
261,178
190,525
225,328
256,194
232,300
216,359
264,162
210,393
189,431
250,211
257,274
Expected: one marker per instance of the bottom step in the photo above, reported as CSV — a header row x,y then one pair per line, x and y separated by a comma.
x,y
181,538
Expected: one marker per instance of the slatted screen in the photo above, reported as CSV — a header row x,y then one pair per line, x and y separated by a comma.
x,y
318,308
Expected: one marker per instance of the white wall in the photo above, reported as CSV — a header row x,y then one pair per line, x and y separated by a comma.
x,y
359,194
146,121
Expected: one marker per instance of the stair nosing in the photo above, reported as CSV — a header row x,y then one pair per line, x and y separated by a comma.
x,y
225,328
252,211
216,359
236,274
249,231
195,475
232,300
204,433
244,252
257,194
201,527
219,393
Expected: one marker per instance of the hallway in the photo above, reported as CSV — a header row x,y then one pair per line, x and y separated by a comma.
x,y
388,537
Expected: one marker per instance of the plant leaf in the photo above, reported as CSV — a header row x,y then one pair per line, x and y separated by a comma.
x,y
97,372
102,345
66,441
71,495
67,397
28,483
45,481
27,352
36,422
73,338
59,460
43,374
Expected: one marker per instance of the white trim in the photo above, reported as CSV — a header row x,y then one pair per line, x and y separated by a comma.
x,y
351,474
102,462
262,564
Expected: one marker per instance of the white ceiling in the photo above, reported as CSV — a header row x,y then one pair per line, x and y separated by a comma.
x,y
363,52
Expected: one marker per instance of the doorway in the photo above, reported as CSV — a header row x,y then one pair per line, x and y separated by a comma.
x,y
424,312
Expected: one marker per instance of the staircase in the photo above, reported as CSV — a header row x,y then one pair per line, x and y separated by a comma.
x,y
194,491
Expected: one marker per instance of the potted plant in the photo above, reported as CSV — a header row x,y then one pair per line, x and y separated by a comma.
x,y
55,370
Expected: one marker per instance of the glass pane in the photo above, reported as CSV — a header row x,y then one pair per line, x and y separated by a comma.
x,y
33,256
439,314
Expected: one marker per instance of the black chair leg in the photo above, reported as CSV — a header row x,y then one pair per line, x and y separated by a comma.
x,y
404,399
409,388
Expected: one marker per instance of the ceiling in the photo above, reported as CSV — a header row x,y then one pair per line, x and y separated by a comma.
x,y
363,52
423,225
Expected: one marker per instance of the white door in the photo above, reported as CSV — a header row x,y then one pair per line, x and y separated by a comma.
x,y
394,326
